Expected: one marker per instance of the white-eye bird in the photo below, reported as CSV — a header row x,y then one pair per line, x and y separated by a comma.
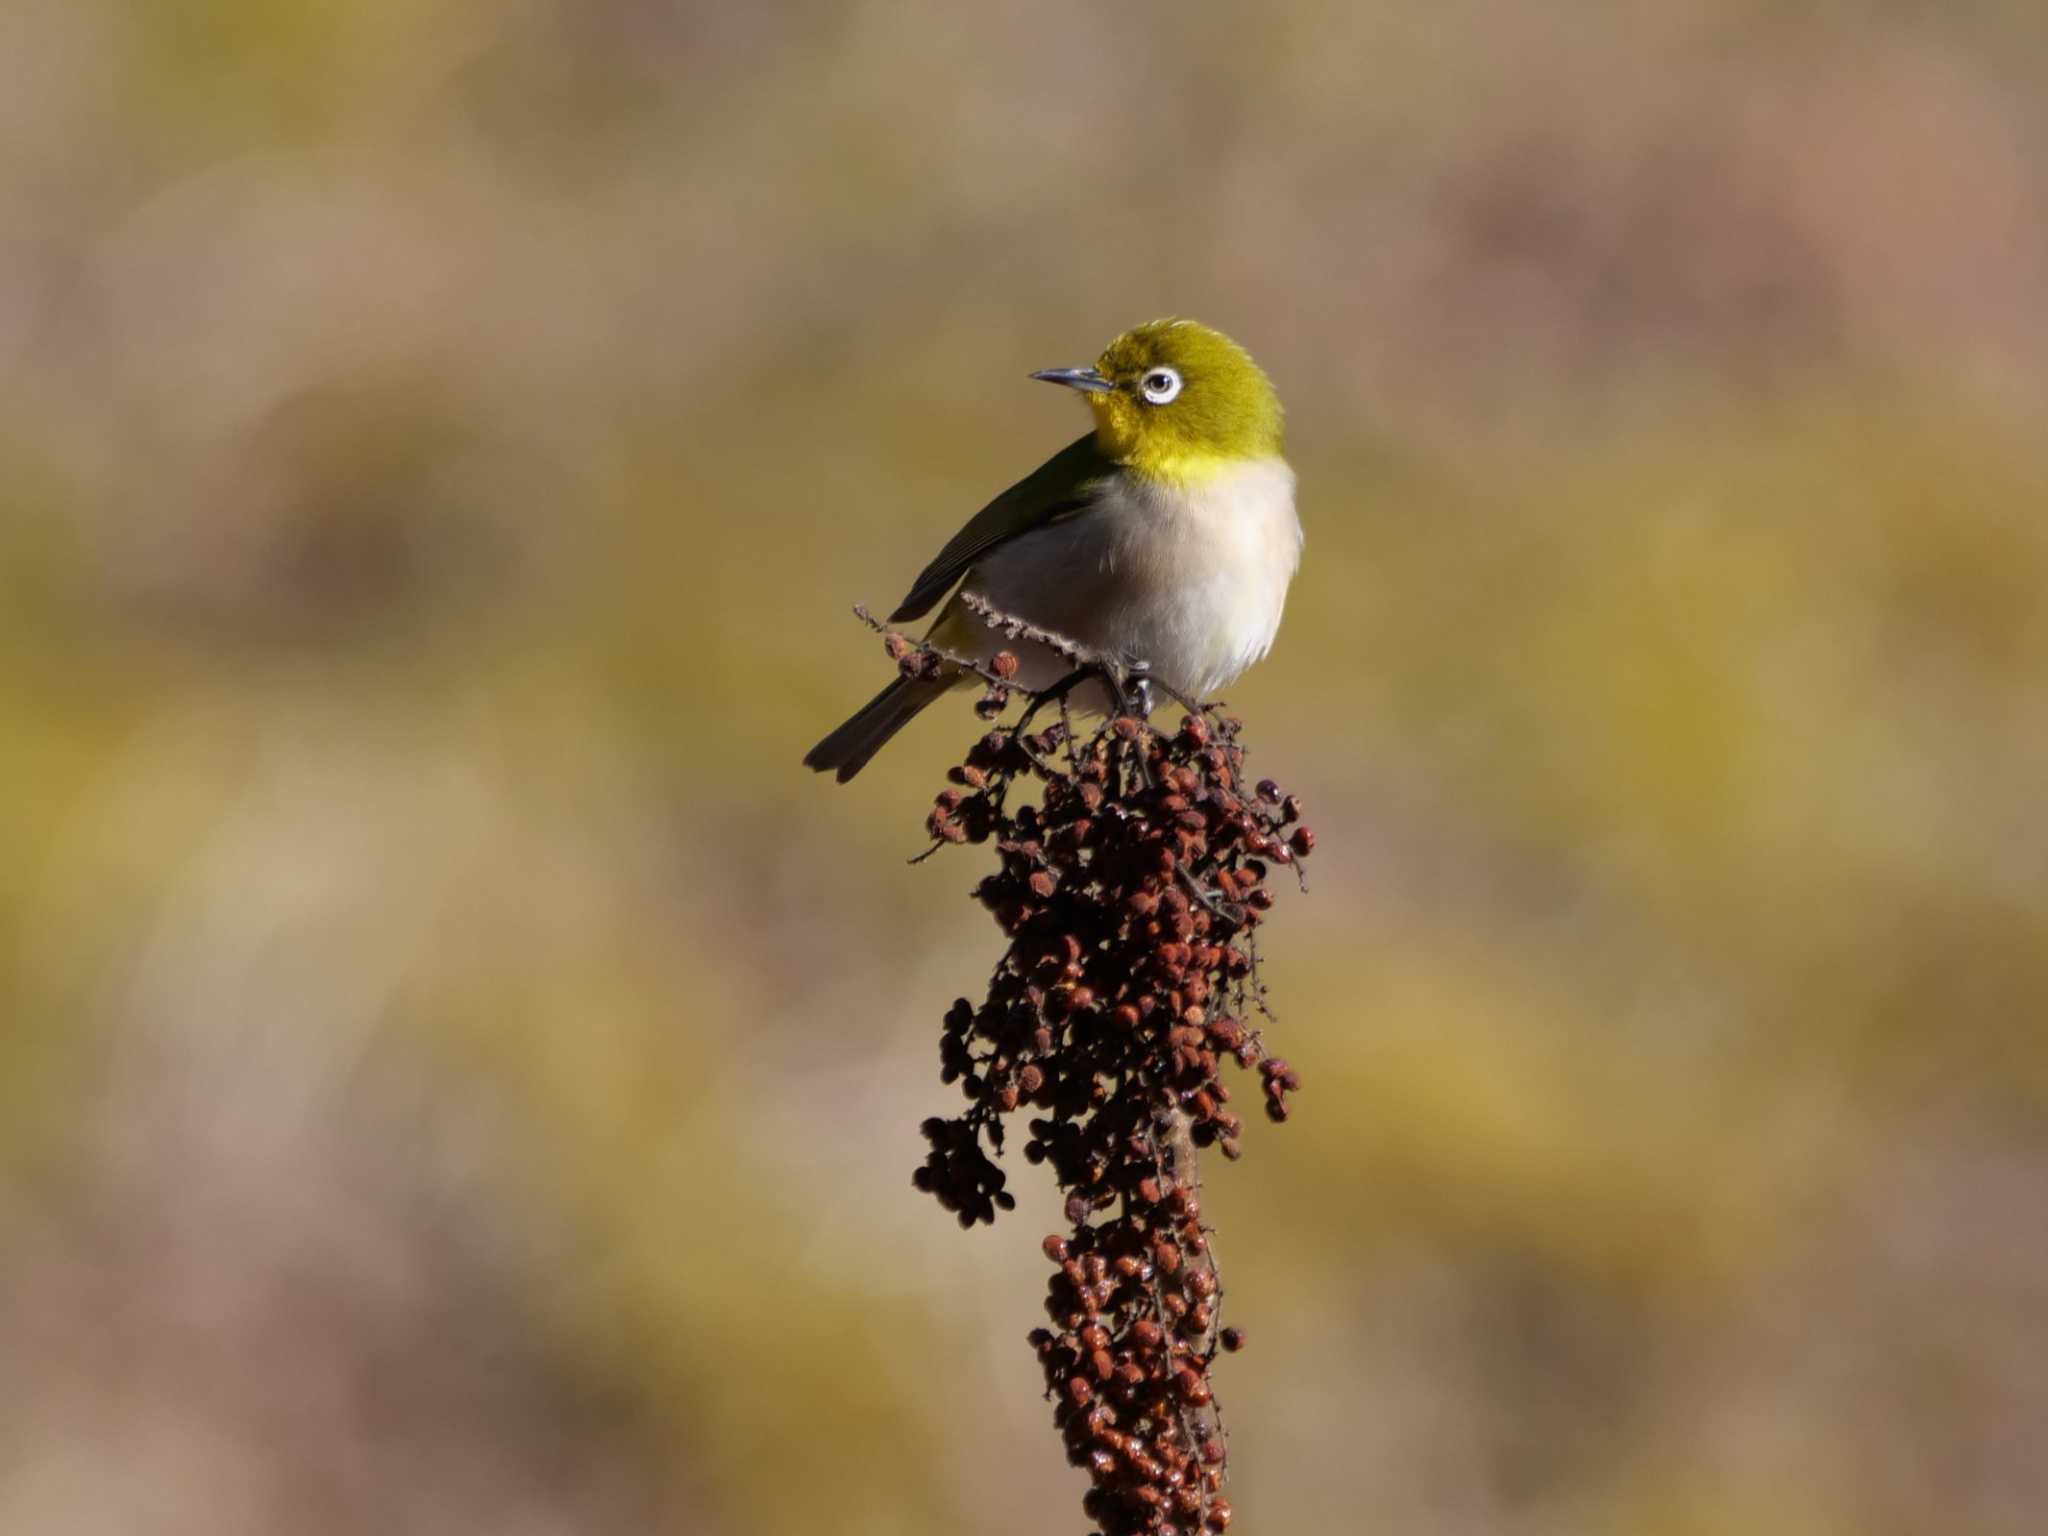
x,y
1166,537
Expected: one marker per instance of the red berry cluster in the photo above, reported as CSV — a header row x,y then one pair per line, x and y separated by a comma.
x,y
1131,890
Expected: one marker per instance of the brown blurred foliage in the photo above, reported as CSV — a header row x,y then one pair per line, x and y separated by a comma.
x,y
458,1070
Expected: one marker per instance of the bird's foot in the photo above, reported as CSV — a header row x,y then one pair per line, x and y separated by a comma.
x,y
1135,686
1140,690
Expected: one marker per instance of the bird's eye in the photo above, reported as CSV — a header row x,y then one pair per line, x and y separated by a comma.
x,y
1160,385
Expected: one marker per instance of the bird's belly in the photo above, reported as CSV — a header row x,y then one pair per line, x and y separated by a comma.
x,y
1190,581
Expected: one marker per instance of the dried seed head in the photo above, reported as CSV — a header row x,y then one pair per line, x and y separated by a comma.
x,y
1130,883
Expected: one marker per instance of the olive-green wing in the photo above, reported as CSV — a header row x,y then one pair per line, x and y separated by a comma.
x,y
1060,487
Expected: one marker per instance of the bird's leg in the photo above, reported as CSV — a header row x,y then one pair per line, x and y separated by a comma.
x,y
1138,685
1135,688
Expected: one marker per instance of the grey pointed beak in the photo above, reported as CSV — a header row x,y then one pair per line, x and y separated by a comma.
x,y
1085,379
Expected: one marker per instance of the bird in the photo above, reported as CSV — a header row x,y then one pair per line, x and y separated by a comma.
x,y
1167,536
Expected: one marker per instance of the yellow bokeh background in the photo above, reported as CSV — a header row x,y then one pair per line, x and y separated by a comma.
x,y
459,1073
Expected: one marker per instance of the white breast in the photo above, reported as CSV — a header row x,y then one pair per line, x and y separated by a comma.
x,y
1191,579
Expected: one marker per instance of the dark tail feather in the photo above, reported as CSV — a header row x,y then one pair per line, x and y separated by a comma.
x,y
849,748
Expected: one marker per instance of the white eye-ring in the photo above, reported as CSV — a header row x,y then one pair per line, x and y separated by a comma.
x,y
1160,386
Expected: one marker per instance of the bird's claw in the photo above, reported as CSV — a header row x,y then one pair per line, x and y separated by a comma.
x,y
1137,687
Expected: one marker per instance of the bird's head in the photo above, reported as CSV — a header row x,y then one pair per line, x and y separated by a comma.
x,y
1174,400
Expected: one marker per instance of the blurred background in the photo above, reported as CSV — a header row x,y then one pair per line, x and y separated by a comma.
x,y
457,1072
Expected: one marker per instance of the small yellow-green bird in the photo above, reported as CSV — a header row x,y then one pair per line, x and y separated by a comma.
x,y
1167,536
